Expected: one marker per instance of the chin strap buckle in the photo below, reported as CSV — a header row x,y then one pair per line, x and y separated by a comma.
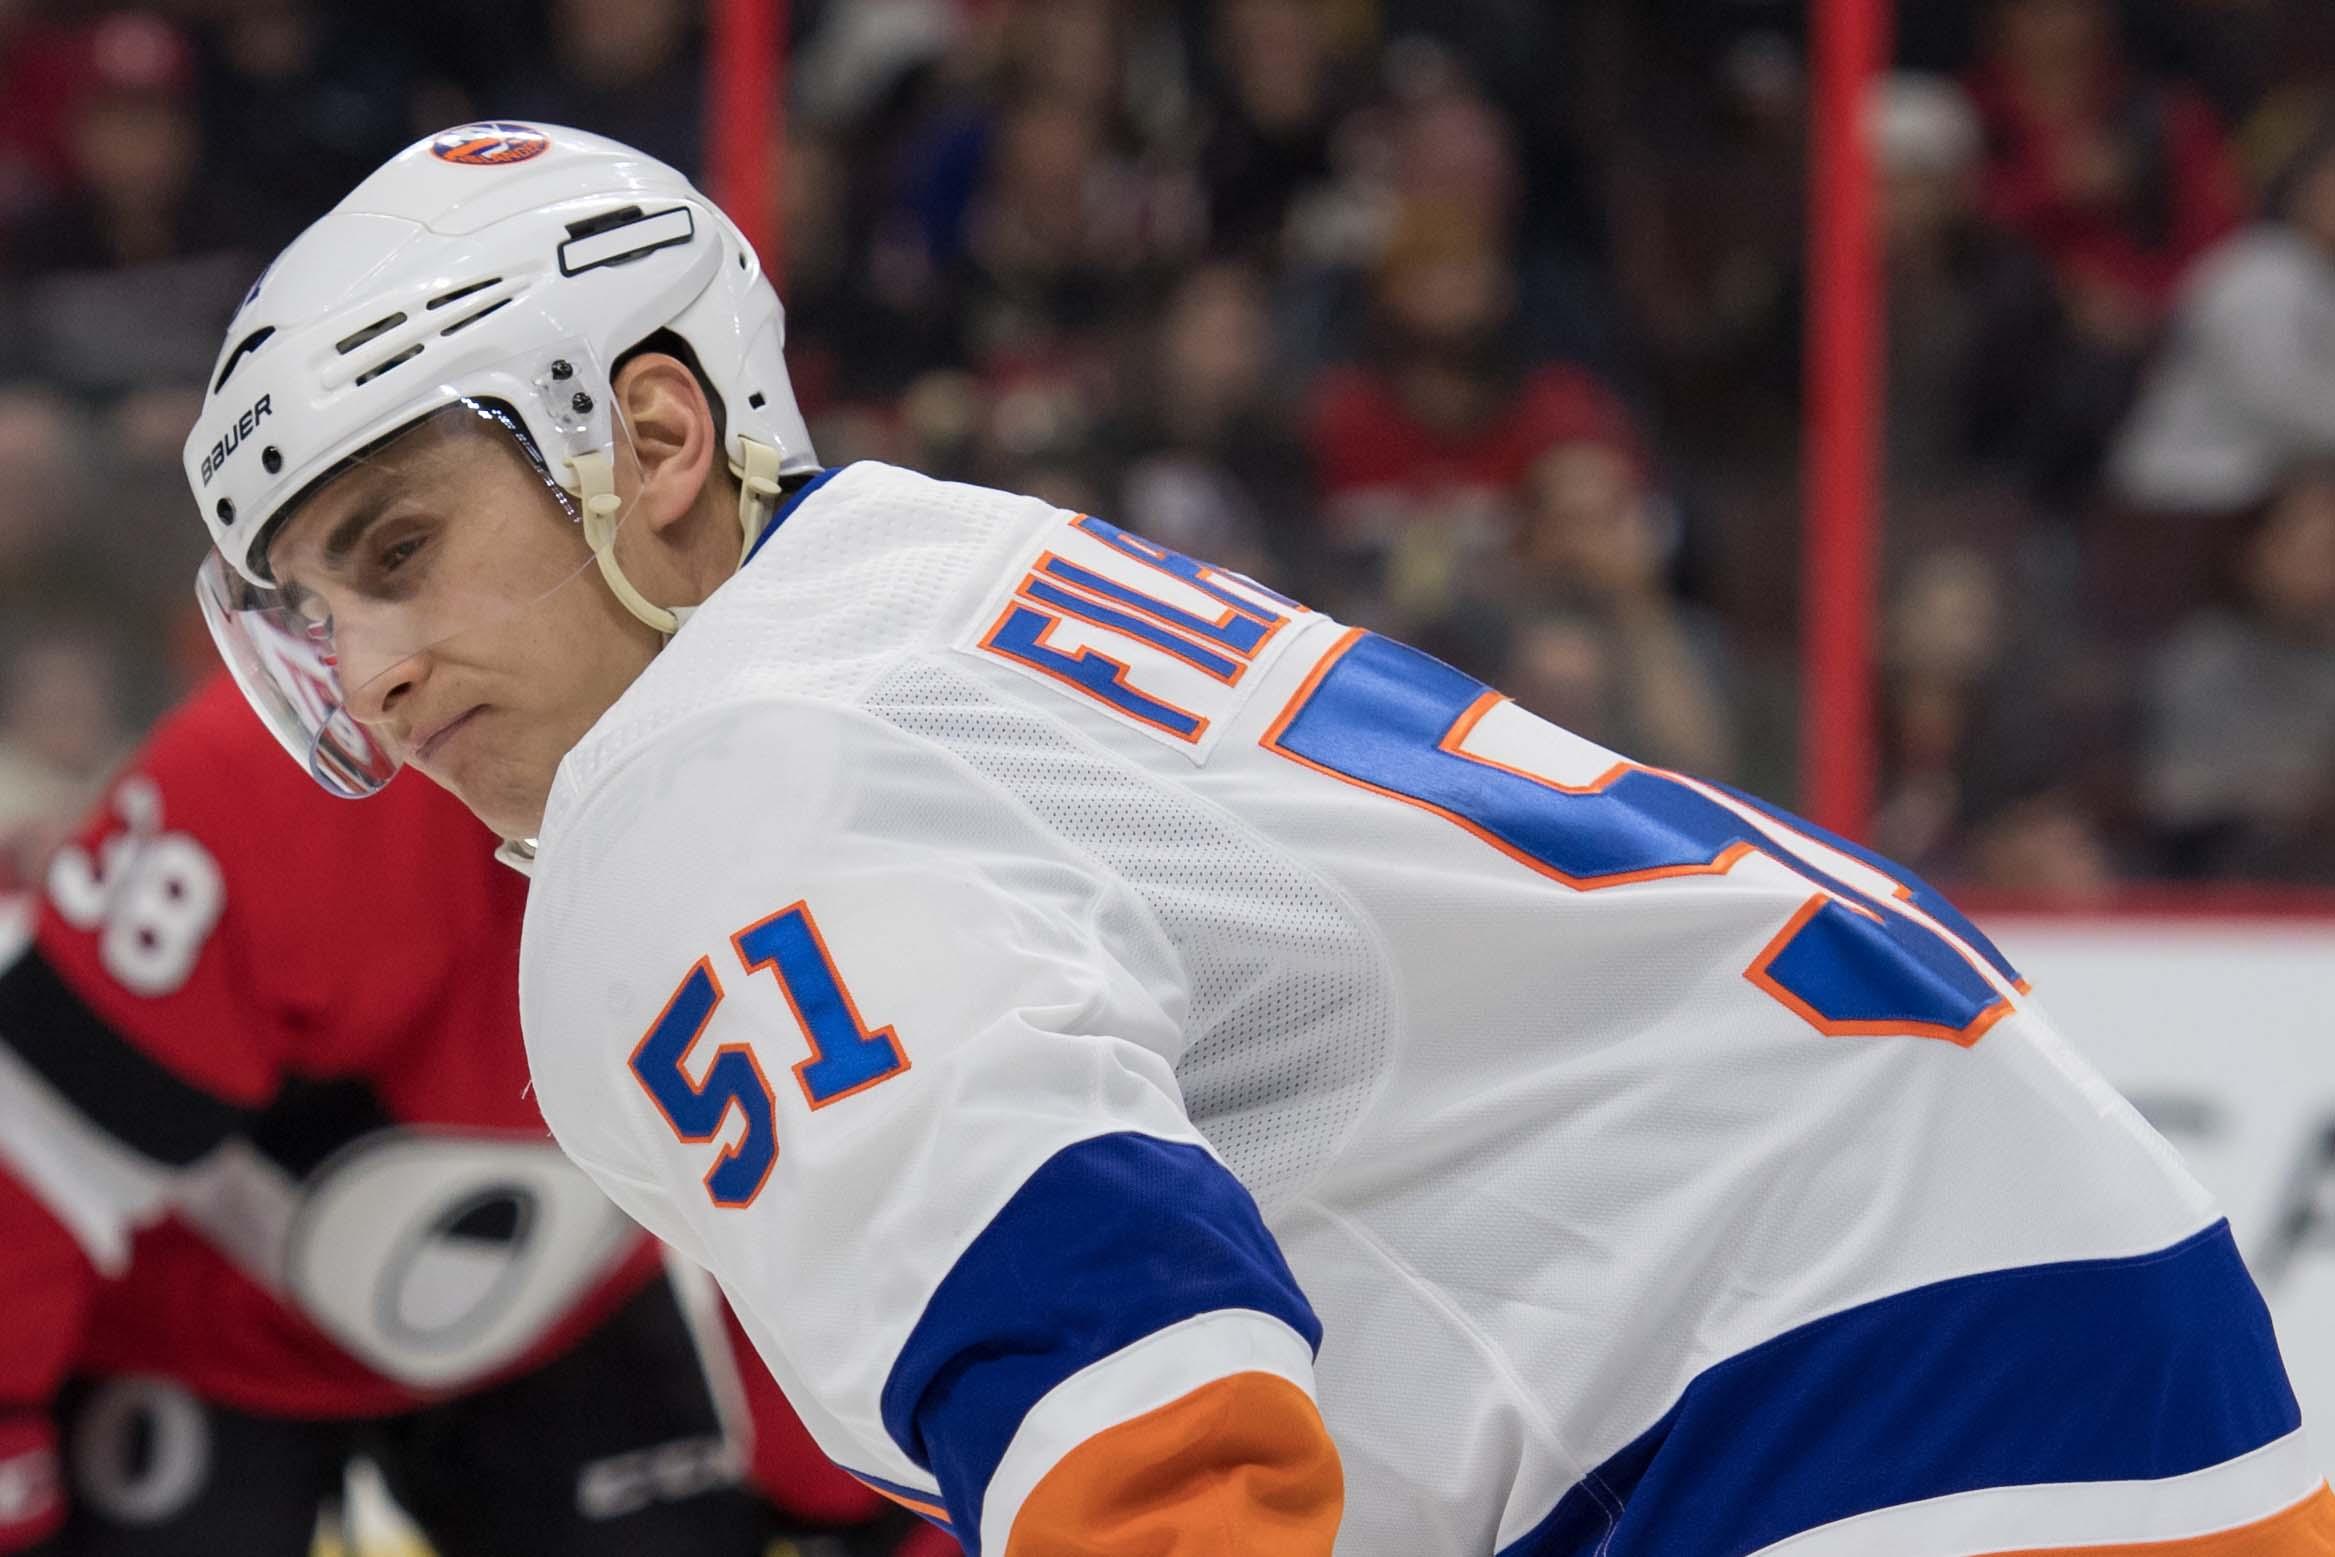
x,y
758,491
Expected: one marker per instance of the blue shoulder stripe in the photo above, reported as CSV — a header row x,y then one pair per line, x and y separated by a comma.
x,y
1111,1239
2094,1370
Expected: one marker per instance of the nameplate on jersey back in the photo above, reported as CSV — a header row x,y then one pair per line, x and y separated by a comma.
x,y
1161,642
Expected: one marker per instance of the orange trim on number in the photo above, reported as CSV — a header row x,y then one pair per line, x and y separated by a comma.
x,y
1895,1028
889,1034
727,1154
1726,860
1071,587
1225,618
1151,553
1898,889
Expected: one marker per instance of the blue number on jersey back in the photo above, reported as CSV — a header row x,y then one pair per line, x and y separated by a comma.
x,y
1389,718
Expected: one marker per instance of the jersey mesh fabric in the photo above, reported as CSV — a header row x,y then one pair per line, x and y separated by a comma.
x,y
866,572
1290,1018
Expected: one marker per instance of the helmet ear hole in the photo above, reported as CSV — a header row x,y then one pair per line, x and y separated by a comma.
x,y
271,459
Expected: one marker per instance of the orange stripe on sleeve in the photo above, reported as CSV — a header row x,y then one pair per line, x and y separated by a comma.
x,y
2305,1530
1241,1467
913,1505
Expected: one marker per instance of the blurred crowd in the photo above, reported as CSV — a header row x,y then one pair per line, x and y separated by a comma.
x,y
1474,320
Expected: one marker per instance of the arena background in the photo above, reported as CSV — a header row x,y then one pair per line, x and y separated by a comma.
x,y
1928,420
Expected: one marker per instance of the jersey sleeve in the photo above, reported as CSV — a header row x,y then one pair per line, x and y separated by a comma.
x,y
135,1034
852,1030
131,1044
44,1305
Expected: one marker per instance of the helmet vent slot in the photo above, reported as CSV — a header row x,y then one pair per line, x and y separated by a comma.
x,y
459,293
379,368
591,226
349,343
243,348
620,237
467,320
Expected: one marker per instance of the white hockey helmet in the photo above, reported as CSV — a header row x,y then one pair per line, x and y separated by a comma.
x,y
507,267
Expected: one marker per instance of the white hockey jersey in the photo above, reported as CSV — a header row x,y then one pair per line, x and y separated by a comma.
x,y
1092,1013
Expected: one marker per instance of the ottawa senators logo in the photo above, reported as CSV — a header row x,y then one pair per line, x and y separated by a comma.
x,y
491,145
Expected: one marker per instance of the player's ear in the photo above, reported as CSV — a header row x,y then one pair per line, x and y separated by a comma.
x,y
670,426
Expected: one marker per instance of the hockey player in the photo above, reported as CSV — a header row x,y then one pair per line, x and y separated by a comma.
x,y
1158,1070
266,1205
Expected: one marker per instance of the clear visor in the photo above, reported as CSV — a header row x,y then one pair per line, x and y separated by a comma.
x,y
396,568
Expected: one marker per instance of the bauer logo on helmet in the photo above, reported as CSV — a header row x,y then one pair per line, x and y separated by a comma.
x,y
241,428
490,145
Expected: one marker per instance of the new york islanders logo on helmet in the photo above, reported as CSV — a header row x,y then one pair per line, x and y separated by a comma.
x,y
490,145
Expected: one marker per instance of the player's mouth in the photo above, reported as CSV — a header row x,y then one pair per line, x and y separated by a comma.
x,y
433,743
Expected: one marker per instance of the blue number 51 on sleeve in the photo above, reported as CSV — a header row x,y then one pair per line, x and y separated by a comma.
x,y
845,1056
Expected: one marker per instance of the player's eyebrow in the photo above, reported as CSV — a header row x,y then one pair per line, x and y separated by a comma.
x,y
337,545
345,535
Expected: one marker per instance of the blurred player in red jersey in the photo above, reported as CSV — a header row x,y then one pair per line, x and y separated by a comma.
x,y
274,1195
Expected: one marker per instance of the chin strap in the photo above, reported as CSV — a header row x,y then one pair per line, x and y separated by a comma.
x,y
758,492
758,495
758,498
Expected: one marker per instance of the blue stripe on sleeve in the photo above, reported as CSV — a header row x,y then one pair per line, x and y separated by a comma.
x,y
1111,1239
2096,1370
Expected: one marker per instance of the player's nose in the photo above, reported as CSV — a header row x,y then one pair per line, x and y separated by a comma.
x,y
378,689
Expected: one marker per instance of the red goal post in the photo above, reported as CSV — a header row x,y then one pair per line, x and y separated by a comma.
x,y
1840,540
745,116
